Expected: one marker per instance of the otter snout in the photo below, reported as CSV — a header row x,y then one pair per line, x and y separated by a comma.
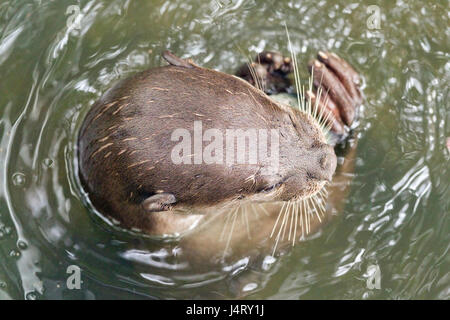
x,y
328,162
324,164
312,167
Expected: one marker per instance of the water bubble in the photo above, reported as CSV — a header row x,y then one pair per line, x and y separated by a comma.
x,y
250,287
6,230
31,296
3,231
18,179
14,254
268,262
48,163
22,245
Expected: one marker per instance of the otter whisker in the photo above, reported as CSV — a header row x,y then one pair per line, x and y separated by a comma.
x,y
251,178
262,83
295,223
281,227
291,213
255,77
235,214
280,231
319,202
307,213
258,82
320,116
324,190
252,69
245,218
314,205
327,125
286,218
311,80
321,207
221,238
296,73
264,210
297,217
323,117
255,213
323,196
305,217
278,218
301,218
316,104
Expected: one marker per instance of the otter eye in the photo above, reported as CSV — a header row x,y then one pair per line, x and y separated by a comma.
x,y
315,144
311,176
272,187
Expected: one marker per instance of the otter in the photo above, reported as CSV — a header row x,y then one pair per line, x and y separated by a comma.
x,y
126,143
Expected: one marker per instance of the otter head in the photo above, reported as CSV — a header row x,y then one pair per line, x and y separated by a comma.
x,y
306,161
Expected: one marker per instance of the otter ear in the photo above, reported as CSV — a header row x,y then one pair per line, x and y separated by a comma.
x,y
158,202
175,61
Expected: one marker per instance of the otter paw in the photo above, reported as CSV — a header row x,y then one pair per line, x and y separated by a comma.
x,y
340,93
275,62
268,72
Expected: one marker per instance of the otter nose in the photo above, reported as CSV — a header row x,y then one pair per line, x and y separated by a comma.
x,y
326,163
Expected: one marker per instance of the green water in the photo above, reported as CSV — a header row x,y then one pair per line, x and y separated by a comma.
x,y
396,215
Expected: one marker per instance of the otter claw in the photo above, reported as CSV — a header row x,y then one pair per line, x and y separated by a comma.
x,y
339,84
275,62
348,76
